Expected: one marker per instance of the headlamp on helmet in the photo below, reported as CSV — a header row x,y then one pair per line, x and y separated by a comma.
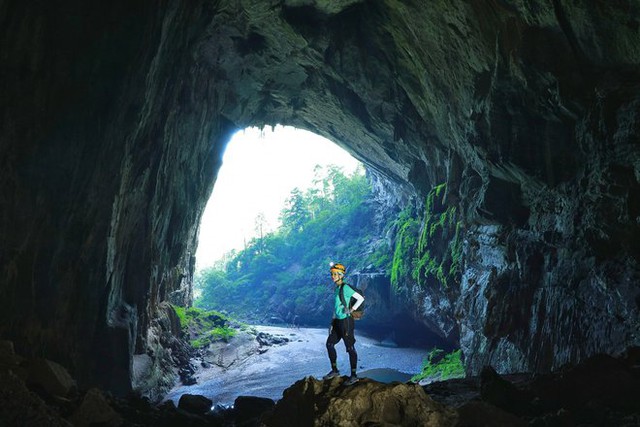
x,y
337,267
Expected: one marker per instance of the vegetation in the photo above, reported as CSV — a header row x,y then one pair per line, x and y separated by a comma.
x,y
285,273
204,327
428,249
439,366
282,275
407,227
437,225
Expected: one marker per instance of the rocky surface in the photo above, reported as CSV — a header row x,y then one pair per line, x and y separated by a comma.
x,y
314,402
114,118
601,391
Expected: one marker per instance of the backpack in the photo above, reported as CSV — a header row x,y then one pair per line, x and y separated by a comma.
x,y
357,314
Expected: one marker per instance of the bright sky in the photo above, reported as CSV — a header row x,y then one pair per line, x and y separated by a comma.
x,y
259,170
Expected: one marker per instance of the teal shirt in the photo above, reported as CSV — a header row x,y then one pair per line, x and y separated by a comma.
x,y
338,310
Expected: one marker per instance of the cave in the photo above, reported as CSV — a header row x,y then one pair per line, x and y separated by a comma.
x,y
115,116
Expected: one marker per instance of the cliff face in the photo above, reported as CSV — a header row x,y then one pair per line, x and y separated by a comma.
x,y
114,119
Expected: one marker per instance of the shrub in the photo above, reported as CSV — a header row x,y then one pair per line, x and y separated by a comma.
x,y
207,326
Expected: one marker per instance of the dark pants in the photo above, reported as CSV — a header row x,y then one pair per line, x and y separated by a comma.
x,y
342,330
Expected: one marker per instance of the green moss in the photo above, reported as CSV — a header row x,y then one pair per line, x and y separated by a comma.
x,y
439,367
435,238
207,326
456,251
180,312
405,245
223,333
432,220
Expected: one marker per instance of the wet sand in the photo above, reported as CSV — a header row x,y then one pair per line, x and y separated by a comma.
x,y
248,370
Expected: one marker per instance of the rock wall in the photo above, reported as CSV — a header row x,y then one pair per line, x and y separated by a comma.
x,y
114,118
108,155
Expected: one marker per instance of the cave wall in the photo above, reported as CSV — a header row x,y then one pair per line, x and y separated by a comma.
x,y
115,116
108,154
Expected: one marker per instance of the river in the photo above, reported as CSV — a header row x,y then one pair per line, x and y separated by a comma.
x,y
269,371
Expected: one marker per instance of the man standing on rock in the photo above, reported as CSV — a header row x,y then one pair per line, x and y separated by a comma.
x,y
342,324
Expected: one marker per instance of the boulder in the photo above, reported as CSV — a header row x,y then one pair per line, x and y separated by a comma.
x,y
312,402
21,407
95,410
195,403
250,408
50,376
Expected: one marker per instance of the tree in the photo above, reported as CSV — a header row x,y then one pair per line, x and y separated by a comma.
x,y
212,283
332,220
260,225
296,212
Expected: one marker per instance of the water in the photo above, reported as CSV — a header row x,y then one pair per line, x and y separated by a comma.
x,y
270,373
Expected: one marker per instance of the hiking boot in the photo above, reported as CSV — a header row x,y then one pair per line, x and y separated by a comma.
x,y
331,375
352,380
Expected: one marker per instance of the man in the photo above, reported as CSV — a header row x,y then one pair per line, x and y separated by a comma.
x,y
342,323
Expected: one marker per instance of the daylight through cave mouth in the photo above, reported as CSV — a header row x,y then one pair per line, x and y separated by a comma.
x,y
261,168
285,205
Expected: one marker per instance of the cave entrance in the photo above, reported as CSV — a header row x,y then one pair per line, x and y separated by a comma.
x,y
261,167
287,202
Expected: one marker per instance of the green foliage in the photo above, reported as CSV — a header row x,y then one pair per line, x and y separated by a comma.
x,y
439,367
220,333
405,244
381,257
456,251
283,273
334,220
205,326
181,313
427,249
435,238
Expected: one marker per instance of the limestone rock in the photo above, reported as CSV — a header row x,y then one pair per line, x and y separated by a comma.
x,y
51,376
20,406
95,410
314,402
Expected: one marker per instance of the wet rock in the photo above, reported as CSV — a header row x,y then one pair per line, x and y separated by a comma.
x,y
8,357
266,339
601,391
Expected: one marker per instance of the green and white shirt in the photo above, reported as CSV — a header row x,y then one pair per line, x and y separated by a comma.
x,y
339,309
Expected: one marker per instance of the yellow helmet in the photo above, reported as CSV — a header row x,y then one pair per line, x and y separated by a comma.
x,y
336,266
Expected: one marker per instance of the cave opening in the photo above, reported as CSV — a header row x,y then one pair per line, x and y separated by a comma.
x,y
285,203
260,169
